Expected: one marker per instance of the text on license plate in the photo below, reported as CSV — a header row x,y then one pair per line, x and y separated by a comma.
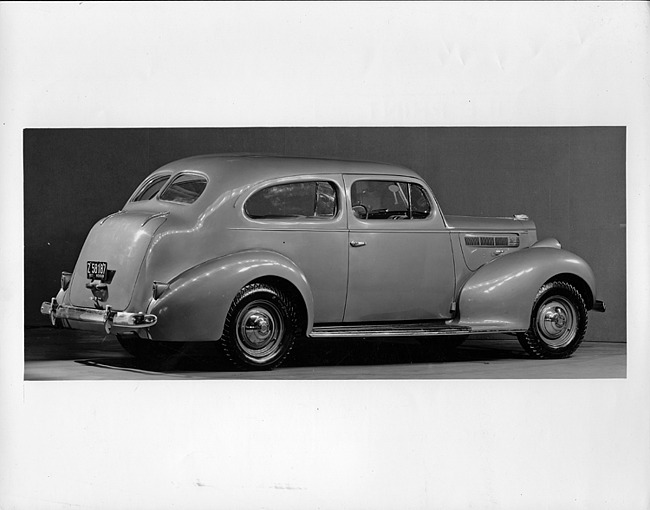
x,y
96,270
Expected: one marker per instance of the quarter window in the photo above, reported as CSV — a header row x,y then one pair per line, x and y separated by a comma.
x,y
420,205
313,199
381,200
185,189
151,188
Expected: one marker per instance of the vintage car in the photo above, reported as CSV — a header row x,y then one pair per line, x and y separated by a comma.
x,y
257,252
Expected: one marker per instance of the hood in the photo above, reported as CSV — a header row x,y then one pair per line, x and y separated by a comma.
x,y
484,239
475,223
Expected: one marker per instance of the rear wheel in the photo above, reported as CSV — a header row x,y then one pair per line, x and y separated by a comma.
x,y
558,322
260,328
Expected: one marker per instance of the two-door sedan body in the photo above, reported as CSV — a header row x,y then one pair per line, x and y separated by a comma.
x,y
256,252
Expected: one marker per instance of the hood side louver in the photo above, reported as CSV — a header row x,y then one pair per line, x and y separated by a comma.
x,y
511,241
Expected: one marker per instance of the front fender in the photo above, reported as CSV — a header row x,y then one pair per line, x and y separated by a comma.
x,y
195,305
500,295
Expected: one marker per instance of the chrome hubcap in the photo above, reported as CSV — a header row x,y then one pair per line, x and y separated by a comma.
x,y
260,330
557,322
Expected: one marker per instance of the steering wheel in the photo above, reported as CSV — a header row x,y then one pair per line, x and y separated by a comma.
x,y
360,211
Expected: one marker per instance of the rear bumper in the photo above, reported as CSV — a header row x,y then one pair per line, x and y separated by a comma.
x,y
108,317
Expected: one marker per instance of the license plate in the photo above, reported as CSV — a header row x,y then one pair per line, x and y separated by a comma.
x,y
96,270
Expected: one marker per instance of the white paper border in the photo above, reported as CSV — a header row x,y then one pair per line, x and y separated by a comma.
x,y
307,444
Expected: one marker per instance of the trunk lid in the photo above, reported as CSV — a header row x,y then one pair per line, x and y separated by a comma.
x,y
121,241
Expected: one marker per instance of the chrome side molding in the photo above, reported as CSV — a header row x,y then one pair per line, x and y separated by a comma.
x,y
163,214
103,220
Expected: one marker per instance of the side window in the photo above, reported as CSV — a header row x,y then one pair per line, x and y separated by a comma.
x,y
325,200
382,200
315,199
184,189
151,188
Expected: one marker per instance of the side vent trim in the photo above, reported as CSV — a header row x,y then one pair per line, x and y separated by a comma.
x,y
490,241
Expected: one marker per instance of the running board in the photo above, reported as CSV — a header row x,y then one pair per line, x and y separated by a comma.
x,y
387,330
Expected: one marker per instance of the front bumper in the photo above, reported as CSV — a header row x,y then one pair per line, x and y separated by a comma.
x,y
107,317
599,306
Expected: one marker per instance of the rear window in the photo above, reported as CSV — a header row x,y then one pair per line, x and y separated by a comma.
x,y
151,188
185,188
315,199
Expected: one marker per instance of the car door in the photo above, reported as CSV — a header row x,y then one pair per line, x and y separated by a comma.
x,y
303,218
400,256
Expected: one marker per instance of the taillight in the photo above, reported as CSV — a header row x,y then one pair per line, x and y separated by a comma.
x,y
159,289
65,280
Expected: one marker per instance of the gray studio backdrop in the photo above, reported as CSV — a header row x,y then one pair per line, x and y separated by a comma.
x,y
570,180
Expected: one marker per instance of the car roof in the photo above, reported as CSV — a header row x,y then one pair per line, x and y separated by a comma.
x,y
238,169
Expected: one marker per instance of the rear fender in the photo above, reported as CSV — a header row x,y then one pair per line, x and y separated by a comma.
x,y
500,295
195,305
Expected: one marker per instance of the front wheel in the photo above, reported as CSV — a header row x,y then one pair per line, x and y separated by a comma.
x,y
558,322
260,328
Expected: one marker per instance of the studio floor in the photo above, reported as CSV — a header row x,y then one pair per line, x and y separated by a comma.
x,y
55,354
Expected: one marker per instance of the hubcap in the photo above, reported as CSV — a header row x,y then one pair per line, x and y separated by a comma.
x,y
260,330
557,322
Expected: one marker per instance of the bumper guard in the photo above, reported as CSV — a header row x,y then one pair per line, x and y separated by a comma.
x,y
107,317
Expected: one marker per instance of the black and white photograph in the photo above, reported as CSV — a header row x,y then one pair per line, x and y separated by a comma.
x,y
332,267
365,255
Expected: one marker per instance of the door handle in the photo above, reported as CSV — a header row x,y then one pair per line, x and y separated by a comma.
x,y
496,253
357,244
